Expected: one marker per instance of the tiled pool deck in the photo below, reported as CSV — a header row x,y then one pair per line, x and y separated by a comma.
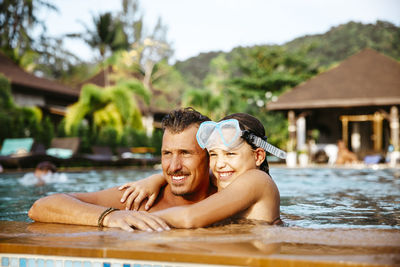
x,y
55,245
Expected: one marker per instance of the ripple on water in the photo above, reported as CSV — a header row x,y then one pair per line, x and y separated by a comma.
x,y
310,197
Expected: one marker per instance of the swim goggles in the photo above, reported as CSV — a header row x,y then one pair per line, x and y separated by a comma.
x,y
227,135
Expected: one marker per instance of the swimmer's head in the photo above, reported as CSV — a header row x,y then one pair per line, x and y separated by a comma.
x,y
47,166
44,168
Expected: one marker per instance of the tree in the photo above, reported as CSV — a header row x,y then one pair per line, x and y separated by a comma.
x,y
145,49
132,19
166,79
107,36
24,121
216,99
43,55
18,18
125,32
102,108
263,68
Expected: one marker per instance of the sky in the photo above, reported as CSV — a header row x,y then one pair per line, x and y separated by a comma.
x,y
196,26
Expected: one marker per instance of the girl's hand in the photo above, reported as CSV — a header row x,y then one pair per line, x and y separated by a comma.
x,y
136,192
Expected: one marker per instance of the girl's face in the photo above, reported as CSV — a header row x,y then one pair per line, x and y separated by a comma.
x,y
227,165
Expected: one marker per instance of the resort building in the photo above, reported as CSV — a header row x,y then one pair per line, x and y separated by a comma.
x,y
357,102
53,97
29,90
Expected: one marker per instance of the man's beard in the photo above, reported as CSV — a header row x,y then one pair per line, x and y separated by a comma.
x,y
182,194
177,186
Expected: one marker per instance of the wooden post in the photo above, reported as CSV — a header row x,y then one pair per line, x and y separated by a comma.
x,y
394,127
301,132
394,136
345,129
377,135
292,130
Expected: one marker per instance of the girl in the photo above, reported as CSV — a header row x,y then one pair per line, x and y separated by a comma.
x,y
237,148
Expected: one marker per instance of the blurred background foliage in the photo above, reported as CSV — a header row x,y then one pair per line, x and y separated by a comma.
x,y
137,67
19,122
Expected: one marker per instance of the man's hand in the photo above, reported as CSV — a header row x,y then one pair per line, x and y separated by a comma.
x,y
130,220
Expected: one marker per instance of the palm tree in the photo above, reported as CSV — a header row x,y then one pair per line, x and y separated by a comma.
x,y
107,36
113,106
18,18
102,37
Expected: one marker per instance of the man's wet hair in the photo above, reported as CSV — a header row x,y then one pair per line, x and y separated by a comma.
x,y
47,166
180,119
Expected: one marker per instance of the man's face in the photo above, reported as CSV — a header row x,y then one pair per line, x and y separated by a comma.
x,y
184,163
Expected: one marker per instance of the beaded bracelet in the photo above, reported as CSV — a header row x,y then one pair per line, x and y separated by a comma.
x,y
103,215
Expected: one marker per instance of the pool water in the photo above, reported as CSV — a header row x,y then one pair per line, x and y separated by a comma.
x,y
310,197
330,197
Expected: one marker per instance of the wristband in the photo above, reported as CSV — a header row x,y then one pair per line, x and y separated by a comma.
x,y
103,215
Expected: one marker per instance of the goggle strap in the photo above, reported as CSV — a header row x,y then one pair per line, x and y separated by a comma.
x,y
257,141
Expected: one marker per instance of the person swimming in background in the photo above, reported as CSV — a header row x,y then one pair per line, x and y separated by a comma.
x,y
237,149
44,169
45,173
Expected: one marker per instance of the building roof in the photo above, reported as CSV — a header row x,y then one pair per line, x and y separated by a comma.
x,y
364,79
19,77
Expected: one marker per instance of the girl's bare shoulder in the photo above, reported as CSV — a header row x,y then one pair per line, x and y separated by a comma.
x,y
255,176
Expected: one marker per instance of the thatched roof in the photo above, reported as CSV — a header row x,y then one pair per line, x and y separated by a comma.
x,y
365,79
36,85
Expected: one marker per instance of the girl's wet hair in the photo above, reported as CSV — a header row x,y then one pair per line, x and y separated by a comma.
x,y
253,125
180,119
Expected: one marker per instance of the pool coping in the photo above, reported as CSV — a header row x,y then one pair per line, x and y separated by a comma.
x,y
18,238
168,257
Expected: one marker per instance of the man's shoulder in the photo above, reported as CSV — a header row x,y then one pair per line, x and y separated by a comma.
x,y
162,201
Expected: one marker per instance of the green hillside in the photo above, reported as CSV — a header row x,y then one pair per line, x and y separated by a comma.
x,y
325,49
345,40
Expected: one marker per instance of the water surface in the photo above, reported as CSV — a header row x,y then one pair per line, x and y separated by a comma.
x,y
310,197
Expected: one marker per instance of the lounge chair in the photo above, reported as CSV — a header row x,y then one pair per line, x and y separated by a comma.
x,y
14,150
63,150
63,147
37,155
142,156
101,155
16,146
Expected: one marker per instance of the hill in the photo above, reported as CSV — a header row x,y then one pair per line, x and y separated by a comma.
x,y
325,49
347,39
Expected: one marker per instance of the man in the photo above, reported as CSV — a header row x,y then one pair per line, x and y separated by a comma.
x,y
185,167
344,155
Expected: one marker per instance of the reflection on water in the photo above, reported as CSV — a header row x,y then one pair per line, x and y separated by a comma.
x,y
310,198
339,197
16,199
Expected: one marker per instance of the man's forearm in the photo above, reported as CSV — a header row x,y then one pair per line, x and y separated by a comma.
x,y
64,208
